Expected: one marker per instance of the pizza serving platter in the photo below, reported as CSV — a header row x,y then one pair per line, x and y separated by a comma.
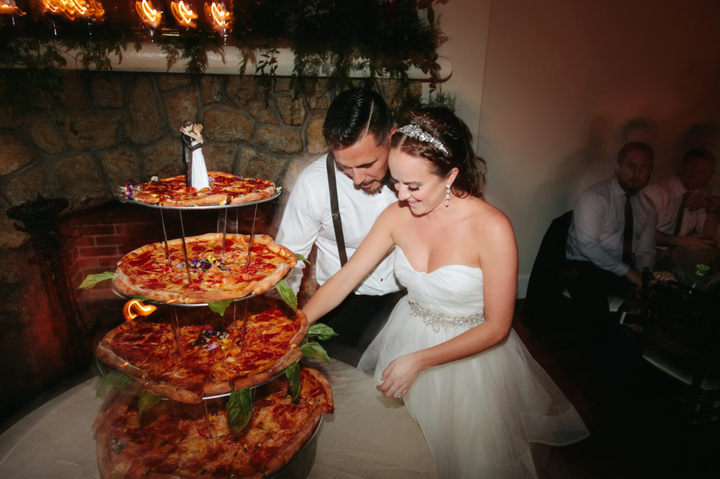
x,y
135,391
272,197
185,305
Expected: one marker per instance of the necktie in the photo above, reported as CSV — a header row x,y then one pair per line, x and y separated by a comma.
x,y
628,232
680,213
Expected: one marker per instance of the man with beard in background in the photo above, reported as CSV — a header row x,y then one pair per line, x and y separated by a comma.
x,y
612,238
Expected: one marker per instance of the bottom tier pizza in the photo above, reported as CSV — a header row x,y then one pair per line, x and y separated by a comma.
x,y
173,440
216,355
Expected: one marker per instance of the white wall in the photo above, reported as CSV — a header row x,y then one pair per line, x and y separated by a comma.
x,y
555,87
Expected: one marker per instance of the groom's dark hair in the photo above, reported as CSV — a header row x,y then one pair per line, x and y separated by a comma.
x,y
354,114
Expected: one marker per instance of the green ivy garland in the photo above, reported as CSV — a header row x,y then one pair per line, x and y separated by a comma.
x,y
335,37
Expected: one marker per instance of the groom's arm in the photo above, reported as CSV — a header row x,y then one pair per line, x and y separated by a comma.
x,y
374,248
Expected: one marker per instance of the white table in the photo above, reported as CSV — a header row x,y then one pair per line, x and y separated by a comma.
x,y
368,436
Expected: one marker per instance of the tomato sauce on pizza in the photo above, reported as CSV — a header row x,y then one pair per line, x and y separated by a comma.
x,y
147,271
224,189
214,358
180,441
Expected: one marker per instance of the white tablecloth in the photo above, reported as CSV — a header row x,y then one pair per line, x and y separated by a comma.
x,y
368,436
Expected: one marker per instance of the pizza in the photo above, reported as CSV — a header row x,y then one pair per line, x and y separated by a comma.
x,y
186,441
213,359
214,275
224,189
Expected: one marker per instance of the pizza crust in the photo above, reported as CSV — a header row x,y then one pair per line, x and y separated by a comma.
x,y
320,378
225,188
304,432
199,201
237,200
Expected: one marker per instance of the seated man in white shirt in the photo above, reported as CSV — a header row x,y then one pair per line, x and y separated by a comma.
x,y
606,252
357,129
687,215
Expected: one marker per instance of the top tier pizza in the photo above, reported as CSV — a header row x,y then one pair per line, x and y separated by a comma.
x,y
224,189
162,275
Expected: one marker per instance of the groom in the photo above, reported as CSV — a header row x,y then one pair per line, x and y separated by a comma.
x,y
333,205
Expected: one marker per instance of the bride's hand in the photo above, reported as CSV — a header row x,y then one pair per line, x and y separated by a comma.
x,y
400,375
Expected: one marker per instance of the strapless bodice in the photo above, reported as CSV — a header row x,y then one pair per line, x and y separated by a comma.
x,y
452,290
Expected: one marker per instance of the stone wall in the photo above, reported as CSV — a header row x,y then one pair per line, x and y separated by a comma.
x,y
108,127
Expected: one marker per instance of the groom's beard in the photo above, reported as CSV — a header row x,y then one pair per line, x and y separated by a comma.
x,y
374,185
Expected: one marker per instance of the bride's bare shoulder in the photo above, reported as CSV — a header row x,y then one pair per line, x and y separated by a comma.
x,y
489,221
393,214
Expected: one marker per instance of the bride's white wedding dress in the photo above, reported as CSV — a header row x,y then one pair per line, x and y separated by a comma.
x,y
199,170
479,414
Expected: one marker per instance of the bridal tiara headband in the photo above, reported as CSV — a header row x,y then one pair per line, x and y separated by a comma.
x,y
414,131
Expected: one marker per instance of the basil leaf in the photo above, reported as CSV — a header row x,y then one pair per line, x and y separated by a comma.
x,y
93,279
292,373
323,332
112,380
314,350
286,293
301,258
239,409
143,299
219,307
147,401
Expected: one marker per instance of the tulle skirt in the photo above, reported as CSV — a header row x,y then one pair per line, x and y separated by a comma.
x,y
479,415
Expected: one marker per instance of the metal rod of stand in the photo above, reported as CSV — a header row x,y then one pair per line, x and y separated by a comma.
x,y
207,421
222,256
242,348
167,249
247,268
187,262
252,234
176,330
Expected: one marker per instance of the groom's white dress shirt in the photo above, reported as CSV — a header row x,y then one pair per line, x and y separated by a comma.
x,y
307,220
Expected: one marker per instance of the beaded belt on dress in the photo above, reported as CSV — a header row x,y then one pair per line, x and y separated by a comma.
x,y
436,320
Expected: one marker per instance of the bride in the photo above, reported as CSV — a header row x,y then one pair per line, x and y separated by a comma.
x,y
448,350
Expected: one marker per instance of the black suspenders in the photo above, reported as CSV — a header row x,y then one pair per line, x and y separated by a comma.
x,y
335,208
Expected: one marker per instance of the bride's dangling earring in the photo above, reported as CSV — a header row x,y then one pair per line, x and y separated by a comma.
x,y
447,196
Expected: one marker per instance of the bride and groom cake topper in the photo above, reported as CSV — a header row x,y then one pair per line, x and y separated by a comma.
x,y
192,141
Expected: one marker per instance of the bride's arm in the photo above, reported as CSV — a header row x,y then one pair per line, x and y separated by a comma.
x,y
371,251
498,259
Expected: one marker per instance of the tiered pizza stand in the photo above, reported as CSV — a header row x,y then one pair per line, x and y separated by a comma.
x,y
222,219
300,465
